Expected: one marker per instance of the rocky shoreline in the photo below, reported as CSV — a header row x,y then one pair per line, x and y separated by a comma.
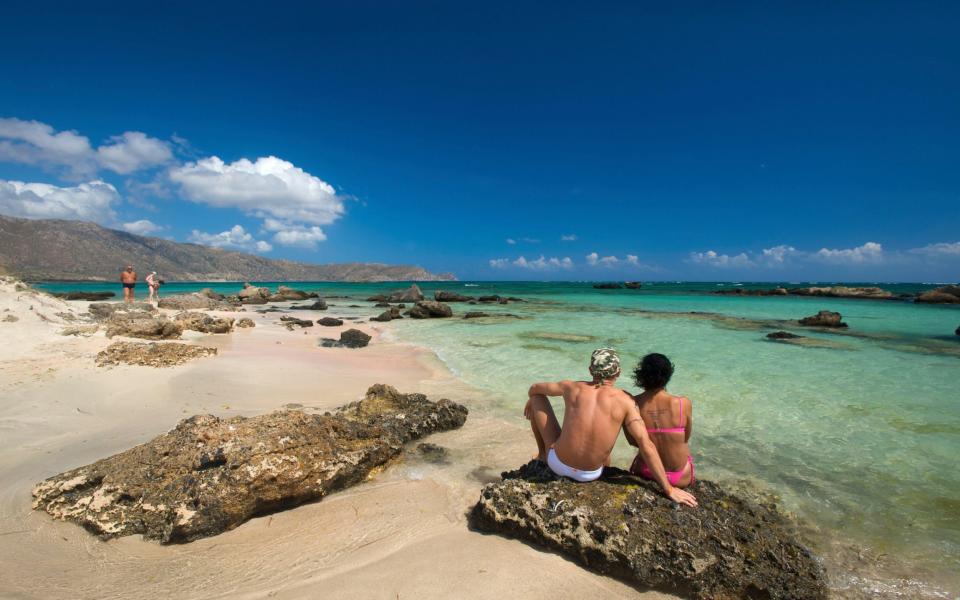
x,y
949,294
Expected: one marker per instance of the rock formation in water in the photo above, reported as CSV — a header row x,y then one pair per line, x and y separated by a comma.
x,y
318,305
442,296
783,335
388,315
411,294
727,548
430,309
151,354
607,286
948,294
209,475
824,318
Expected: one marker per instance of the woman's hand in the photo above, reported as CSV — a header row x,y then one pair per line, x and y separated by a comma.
x,y
681,497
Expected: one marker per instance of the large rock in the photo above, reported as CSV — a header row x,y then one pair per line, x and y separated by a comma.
x,y
204,323
411,294
430,309
209,293
351,338
104,310
824,318
251,294
948,294
91,296
291,322
388,315
739,291
192,301
842,291
209,475
151,354
442,296
330,322
633,285
287,293
623,526
142,325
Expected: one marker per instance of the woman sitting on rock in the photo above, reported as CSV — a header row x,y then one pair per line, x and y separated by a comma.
x,y
668,419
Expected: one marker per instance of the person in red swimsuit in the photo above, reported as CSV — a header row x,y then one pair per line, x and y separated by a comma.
x,y
668,420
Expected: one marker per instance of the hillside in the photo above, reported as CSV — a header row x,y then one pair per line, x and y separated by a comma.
x,y
75,250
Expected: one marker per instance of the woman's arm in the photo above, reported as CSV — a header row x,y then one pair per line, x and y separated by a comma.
x,y
689,424
651,458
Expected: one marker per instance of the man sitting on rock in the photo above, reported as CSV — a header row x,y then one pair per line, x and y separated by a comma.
x,y
595,412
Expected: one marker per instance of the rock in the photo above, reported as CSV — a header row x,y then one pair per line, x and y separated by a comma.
x,y
607,286
291,322
246,322
286,293
103,310
351,338
92,296
142,325
432,453
151,354
957,332
783,335
489,298
378,298
193,301
330,322
476,315
382,305
204,323
209,475
748,292
948,294
209,293
624,527
411,294
10,318
84,330
842,291
824,318
251,294
388,315
430,309
442,296
633,285
318,305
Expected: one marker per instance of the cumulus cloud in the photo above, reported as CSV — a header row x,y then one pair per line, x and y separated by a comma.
x,y
570,237
633,259
871,252
92,201
235,238
592,259
133,151
511,241
941,249
141,227
595,260
778,255
538,264
36,143
268,187
713,259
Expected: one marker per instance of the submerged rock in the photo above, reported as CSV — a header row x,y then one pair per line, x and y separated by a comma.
x,y
204,323
783,335
476,314
824,318
430,309
151,354
441,296
623,526
432,453
209,475
142,325
91,296
351,338
842,291
607,286
779,291
318,305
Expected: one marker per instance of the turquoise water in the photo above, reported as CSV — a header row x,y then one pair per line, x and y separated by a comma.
x,y
858,436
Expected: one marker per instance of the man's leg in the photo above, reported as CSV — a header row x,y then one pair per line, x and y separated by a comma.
x,y
546,428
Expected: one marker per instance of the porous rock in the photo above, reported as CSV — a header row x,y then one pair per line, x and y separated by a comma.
x,y
291,322
251,294
203,323
138,324
824,318
192,301
104,310
727,548
91,296
209,475
150,354
287,293
246,322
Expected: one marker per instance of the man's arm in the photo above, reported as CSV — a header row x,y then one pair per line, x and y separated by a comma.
x,y
550,388
633,424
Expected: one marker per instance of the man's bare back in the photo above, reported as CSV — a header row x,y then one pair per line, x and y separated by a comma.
x,y
593,416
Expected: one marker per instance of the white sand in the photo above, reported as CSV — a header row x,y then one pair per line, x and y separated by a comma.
x,y
403,534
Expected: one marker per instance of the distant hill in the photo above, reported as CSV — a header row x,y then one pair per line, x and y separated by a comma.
x,y
76,250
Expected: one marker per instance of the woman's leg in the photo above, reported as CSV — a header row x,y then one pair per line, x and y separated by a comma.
x,y
543,421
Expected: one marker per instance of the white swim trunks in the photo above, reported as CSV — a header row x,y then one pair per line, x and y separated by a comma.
x,y
557,466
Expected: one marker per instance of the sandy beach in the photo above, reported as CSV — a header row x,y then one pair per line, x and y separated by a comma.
x,y
401,534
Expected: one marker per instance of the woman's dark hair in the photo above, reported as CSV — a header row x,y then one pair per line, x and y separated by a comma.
x,y
653,372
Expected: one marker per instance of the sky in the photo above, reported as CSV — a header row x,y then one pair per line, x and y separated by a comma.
x,y
544,141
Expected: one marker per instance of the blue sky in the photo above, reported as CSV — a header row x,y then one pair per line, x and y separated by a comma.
x,y
615,140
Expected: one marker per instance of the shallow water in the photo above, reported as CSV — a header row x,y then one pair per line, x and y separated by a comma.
x,y
858,435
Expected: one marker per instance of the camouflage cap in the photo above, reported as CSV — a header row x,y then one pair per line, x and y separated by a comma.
x,y
605,363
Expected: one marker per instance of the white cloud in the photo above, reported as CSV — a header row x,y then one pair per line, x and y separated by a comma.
x,y
942,249
141,227
592,259
133,151
538,264
871,252
571,237
633,259
779,254
722,261
511,241
267,187
36,143
609,261
91,201
235,238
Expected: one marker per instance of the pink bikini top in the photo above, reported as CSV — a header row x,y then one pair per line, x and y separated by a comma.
x,y
681,429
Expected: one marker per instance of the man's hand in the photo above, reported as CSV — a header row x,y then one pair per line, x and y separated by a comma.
x,y
681,497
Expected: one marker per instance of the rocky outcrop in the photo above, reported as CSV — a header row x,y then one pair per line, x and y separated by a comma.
x,y
475,314
948,294
251,294
246,322
91,296
607,286
318,305
411,294
842,291
622,526
430,309
499,299
388,315
204,323
633,285
291,322
783,335
442,296
102,311
209,475
209,293
330,322
351,338
750,292
824,318
285,293
137,324
193,301
151,354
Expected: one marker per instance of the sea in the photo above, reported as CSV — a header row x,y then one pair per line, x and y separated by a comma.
x,y
856,433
